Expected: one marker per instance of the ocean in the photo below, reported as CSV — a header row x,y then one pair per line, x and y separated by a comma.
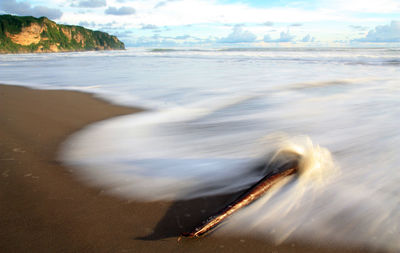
x,y
214,114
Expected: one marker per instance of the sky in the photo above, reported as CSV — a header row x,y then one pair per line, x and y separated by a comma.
x,y
214,23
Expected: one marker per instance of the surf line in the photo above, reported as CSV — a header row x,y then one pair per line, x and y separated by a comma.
x,y
248,197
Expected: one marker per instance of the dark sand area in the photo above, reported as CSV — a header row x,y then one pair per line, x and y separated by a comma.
x,y
45,208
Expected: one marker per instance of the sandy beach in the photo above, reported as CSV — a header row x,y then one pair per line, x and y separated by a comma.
x,y
45,208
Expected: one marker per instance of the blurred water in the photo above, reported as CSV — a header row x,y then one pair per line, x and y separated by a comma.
x,y
217,113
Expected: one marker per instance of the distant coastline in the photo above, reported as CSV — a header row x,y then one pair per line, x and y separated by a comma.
x,y
41,35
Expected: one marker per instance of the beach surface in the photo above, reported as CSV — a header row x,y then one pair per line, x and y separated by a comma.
x,y
44,207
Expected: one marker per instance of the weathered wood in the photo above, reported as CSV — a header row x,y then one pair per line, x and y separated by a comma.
x,y
255,192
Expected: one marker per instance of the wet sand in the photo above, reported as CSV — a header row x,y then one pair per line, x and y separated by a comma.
x,y
45,208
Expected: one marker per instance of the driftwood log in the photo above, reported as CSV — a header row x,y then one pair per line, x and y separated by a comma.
x,y
252,194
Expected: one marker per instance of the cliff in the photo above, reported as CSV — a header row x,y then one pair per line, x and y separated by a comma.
x,y
36,35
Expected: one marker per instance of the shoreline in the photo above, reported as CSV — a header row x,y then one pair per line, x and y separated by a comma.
x,y
45,208
57,52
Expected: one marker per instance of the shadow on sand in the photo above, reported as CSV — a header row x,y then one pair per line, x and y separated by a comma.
x,y
185,215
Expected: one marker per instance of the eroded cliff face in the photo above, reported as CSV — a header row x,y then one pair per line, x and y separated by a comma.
x,y
29,34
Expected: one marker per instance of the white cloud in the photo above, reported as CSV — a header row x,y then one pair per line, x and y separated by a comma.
x,y
149,27
384,33
150,42
239,35
182,37
308,38
90,3
163,3
185,12
166,41
381,6
25,9
124,10
267,38
87,24
284,37
330,20
359,27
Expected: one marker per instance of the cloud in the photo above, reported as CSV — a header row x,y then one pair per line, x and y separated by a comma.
x,y
90,4
163,3
154,41
25,9
122,34
160,4
149,27
284,37
113,25
120,11
362,6
308,38
167,41
296,25
267,38
238,35
359,27
87,24
201,13
268,23
109,26
183,37
383,33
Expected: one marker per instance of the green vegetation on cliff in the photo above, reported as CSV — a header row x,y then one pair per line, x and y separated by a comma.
x,y
29,34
